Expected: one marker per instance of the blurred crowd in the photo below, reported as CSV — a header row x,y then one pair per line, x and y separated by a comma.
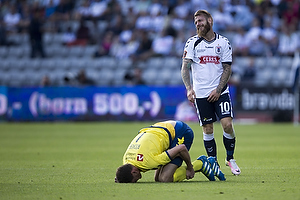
x,y
139,29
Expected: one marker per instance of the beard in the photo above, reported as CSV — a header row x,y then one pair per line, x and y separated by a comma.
x,y
206,29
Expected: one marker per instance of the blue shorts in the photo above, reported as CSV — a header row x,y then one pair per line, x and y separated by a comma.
x,y
209,111
182,131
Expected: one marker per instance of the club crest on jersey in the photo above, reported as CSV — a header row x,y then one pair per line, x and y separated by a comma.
x,y
209,59
218,49
140,157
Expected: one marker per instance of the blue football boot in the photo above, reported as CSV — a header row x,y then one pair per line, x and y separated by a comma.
x,y
206,169
216,169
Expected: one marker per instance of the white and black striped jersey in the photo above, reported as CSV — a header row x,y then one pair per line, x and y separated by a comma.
x,y
207,62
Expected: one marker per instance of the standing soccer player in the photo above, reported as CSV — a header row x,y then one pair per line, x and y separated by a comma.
x,y
210,56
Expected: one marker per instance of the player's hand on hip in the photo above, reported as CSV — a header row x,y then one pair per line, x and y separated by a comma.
x,y
213,96
191,95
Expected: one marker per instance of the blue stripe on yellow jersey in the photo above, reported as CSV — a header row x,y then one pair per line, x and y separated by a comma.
x,y
147,150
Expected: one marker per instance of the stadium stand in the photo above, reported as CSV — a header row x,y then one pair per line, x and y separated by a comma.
x,y
17,68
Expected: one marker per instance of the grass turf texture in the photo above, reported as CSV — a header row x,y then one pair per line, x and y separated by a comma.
x,y
79,160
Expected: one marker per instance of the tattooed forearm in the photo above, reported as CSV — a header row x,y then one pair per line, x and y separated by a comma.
x,y
225,77
185,73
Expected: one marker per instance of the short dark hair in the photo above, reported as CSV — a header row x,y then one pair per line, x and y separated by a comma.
x,y
123,174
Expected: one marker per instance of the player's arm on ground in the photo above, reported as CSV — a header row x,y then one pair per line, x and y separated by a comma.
x,y
185,74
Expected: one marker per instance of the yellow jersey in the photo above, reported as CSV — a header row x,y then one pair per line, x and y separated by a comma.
x,y
147,150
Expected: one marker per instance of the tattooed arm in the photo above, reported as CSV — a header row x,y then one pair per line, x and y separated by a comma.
x,y
225,77
185,74
215,94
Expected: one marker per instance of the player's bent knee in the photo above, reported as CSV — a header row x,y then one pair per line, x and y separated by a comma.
x,y
208,129
165,179
227,126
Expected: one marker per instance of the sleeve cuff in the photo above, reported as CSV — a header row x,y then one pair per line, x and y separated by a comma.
x,y
168,155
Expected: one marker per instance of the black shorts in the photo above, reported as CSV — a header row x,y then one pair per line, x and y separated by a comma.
x,y
182,133
209,112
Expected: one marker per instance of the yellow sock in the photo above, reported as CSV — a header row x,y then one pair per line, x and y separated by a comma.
x,y
197,165
180,173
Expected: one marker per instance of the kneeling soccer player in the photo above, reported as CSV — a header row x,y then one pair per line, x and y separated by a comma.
x,y
163,147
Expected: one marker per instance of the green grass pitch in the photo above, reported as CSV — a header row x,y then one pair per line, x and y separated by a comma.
x,y
79,160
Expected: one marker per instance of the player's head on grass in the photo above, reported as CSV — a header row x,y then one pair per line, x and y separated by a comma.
x,y
127,174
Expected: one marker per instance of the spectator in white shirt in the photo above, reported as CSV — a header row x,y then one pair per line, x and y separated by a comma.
x,y
12,20
158,22
240,43
222,20
157,7
83,11
269,35
288,40
143,21
98,9
68,36
182,9
141,6
257,45
163,44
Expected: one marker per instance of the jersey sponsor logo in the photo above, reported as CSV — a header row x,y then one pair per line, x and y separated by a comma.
x,y
134,146
207,119
209,59
140,157
130,156
200,50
